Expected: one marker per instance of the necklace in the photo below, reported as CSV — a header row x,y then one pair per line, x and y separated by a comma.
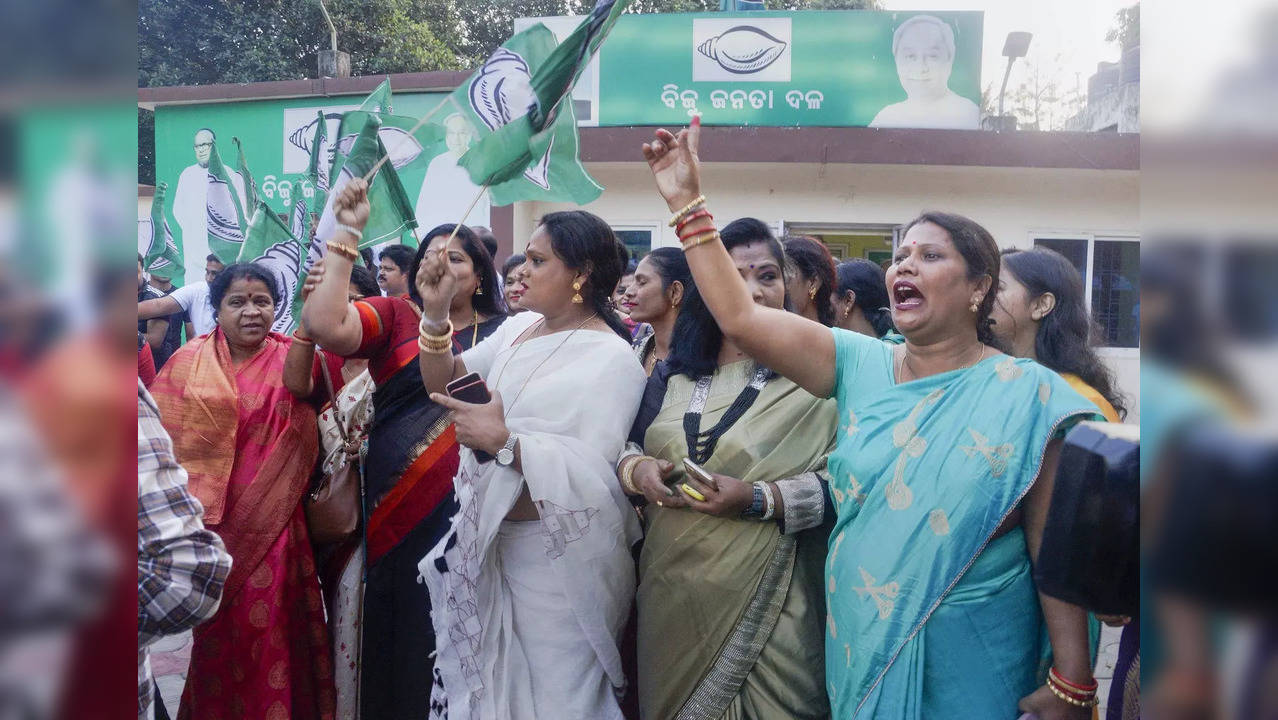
x,y
510,362
905,364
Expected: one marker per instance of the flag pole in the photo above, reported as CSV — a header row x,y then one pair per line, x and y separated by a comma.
x,y
416,127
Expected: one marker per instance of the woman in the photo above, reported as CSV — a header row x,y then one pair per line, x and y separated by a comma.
x,y
755,651
940,440
810,278
535,579
411,457
1041,314
653,297
341,567
509,277
861,300
248,446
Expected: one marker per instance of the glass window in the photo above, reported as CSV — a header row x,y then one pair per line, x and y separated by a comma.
x,y
638,242
1074,250
1116,292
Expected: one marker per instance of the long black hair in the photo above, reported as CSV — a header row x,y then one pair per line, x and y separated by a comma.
x,y
980,252
671,267
812,260
866,279
487,300
696,339
364,281
584,242
1064,338
239,271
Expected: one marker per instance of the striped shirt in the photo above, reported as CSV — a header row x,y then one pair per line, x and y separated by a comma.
x,y
181,565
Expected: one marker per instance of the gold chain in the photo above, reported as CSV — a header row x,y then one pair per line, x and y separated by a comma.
x,y
905,364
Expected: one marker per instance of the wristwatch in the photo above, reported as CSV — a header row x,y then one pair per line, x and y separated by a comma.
x,y
756,508
506,455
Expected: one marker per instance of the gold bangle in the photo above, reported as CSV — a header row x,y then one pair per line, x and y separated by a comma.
x,y
434,350
435,341
700,238
447,335
627,474
700,200
343,250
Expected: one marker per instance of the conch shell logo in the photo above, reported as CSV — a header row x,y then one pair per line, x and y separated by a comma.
x,y
502,92
743,49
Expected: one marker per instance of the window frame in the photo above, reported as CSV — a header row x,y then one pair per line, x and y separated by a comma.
x,y
1092,236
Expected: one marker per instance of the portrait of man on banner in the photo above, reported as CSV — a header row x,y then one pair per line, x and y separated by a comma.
x,y
924,50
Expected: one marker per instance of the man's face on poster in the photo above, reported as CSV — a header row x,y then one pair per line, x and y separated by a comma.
x,y
924,62
203,147
457,136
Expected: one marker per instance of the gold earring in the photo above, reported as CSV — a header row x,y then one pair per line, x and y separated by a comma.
x,y
576,286
973,308
479,290
812,294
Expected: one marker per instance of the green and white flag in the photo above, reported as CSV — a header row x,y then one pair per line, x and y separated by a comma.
x,y
226,222
160,252
407,147
519,104
250,187
391,212
378,101
270,244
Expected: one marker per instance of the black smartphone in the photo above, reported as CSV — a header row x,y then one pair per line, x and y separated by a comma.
x,y
471,388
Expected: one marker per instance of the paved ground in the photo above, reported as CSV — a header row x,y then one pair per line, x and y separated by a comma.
x,y
170,657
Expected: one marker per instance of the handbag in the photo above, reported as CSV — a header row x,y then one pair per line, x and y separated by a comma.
x,y
333,507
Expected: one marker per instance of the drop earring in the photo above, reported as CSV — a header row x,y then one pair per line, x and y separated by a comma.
x,y
576,287
812,294
973,307
479,290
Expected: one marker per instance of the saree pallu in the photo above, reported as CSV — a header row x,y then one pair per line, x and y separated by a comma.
x,y
499,657
408,475
730,610
265,654
929,614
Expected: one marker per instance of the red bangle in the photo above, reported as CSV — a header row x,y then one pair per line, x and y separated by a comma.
x,y
1060,679
303,338
702,213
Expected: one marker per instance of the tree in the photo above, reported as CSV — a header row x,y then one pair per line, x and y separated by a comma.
x,y
1039,101
1126,30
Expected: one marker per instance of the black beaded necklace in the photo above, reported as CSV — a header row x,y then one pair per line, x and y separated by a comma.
x,y
701,445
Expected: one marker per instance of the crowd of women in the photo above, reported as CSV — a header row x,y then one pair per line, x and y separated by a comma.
x,y
758,485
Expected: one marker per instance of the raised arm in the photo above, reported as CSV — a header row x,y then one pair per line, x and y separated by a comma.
x,y
327,315
799,349
436,286
158,307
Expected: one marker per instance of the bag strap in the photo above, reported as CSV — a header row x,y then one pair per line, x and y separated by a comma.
x,y
337,413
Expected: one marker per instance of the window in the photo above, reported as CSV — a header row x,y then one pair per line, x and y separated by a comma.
x,y
637,238
1110,267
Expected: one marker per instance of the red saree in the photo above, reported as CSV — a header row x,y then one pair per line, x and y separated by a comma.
x,y
249,447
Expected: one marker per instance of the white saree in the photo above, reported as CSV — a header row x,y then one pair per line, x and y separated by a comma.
x,y
527,615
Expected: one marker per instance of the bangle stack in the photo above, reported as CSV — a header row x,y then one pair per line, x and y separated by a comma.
x,y
699,201
627,470
441,344
341,249
683,219
1072,692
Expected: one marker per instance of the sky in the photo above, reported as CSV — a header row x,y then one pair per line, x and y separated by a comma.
x,y
1074,28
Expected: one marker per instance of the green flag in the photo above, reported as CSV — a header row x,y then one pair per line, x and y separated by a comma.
x,y
250,187
270,244
408,147
161,254
316,170
520,105
379,100
226,221
391,212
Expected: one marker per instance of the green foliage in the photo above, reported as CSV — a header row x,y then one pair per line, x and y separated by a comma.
x,y
1126,30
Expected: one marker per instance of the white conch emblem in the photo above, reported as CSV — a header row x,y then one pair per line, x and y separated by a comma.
x,y
402,147
222,221
284,261
743,49
502,89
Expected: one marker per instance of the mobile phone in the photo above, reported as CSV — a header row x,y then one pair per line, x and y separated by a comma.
x,y
698,472
469,388
472,389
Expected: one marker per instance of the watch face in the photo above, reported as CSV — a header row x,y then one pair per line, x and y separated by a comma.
x,y
505,456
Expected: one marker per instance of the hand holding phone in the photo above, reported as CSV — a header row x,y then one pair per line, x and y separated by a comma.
x,y
696,471
472,389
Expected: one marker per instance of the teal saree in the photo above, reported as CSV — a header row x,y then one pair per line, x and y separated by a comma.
x,y
930,616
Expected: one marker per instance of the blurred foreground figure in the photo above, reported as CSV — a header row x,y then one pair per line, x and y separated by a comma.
x,y
182,567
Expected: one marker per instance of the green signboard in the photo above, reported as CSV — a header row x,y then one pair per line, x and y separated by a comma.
x,y
849,68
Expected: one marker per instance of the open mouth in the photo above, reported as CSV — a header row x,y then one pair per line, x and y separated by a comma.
x,y
906,295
